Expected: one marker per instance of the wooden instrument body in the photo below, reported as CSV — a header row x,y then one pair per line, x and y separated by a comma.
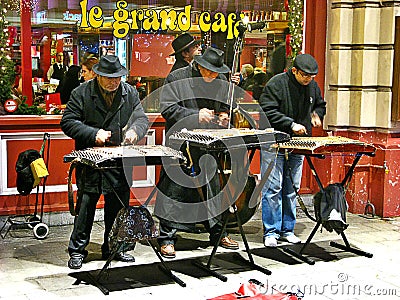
x,y
325,145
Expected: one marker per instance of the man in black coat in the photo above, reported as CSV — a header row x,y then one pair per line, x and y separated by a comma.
x,y
293,104
185,49
193,97
101,112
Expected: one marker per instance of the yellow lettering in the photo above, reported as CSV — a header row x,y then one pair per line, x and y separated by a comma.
x,y
84,22
219,23
120,26
231,21
151,22
168,19
136,15
96,17
184,20
204,21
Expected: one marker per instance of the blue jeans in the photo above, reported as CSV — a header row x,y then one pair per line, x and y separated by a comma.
x,y
278,195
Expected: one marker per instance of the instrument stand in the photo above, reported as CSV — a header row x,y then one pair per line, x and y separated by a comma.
x,y
346,247
250,262
96,280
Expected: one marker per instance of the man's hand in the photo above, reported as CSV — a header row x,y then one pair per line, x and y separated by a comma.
x,y
102,137
315,120
235,78
299,129
223,119
131,137
206,115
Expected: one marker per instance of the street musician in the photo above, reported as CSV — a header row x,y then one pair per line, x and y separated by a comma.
x,y
192,97
101,112
293,104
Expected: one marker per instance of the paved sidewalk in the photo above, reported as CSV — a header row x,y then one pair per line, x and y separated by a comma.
x,y
37,269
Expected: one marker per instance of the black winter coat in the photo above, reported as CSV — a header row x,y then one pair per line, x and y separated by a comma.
x,y
86,113
180,102
285,101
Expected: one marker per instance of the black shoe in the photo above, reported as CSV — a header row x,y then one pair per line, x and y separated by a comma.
x,y
125,257
76,260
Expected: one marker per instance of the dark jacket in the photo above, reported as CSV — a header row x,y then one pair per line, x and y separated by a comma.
x,y
179,63
68,83
58,73
285,101
248,83
183,94
180,102
87,112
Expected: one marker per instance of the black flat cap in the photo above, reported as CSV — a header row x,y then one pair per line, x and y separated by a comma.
x,y
306,63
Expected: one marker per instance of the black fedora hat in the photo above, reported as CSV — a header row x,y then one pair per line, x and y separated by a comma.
x,y
213,60
109,66
182,42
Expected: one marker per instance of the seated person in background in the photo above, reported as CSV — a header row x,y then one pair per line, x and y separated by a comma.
x,y
86,68
260,80
68,83
247,73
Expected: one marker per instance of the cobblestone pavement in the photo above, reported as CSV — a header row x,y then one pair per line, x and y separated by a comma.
x,y
37,269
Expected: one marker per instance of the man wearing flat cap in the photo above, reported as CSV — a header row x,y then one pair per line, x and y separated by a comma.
x,y
193,97
101,112
293,104
186,47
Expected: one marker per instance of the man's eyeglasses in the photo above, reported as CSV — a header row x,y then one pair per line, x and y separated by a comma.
x,y
305,75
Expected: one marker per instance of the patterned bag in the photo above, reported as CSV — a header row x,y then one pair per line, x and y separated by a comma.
x,y
132,224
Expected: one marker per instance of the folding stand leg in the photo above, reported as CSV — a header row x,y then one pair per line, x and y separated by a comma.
x,y
299,254
250,262
9,220
164,267
207,267
345,247
96,281
348,248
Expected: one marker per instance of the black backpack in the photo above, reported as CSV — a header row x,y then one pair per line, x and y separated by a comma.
x,y
25,177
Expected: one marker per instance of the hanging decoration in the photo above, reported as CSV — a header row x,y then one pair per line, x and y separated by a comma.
x,y
6,64
16,5
296,26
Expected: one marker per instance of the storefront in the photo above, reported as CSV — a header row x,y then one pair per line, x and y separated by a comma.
x,y
53,27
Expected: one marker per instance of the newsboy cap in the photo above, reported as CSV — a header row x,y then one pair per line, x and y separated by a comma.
x,y
306,63
109,66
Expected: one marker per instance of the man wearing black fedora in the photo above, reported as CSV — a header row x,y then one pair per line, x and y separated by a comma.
x,y
193,97
186,47
101,112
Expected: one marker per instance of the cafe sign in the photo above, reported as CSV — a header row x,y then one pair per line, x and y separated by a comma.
x,y
151,19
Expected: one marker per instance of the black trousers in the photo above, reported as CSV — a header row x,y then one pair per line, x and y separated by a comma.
x,y
83,222
168,232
